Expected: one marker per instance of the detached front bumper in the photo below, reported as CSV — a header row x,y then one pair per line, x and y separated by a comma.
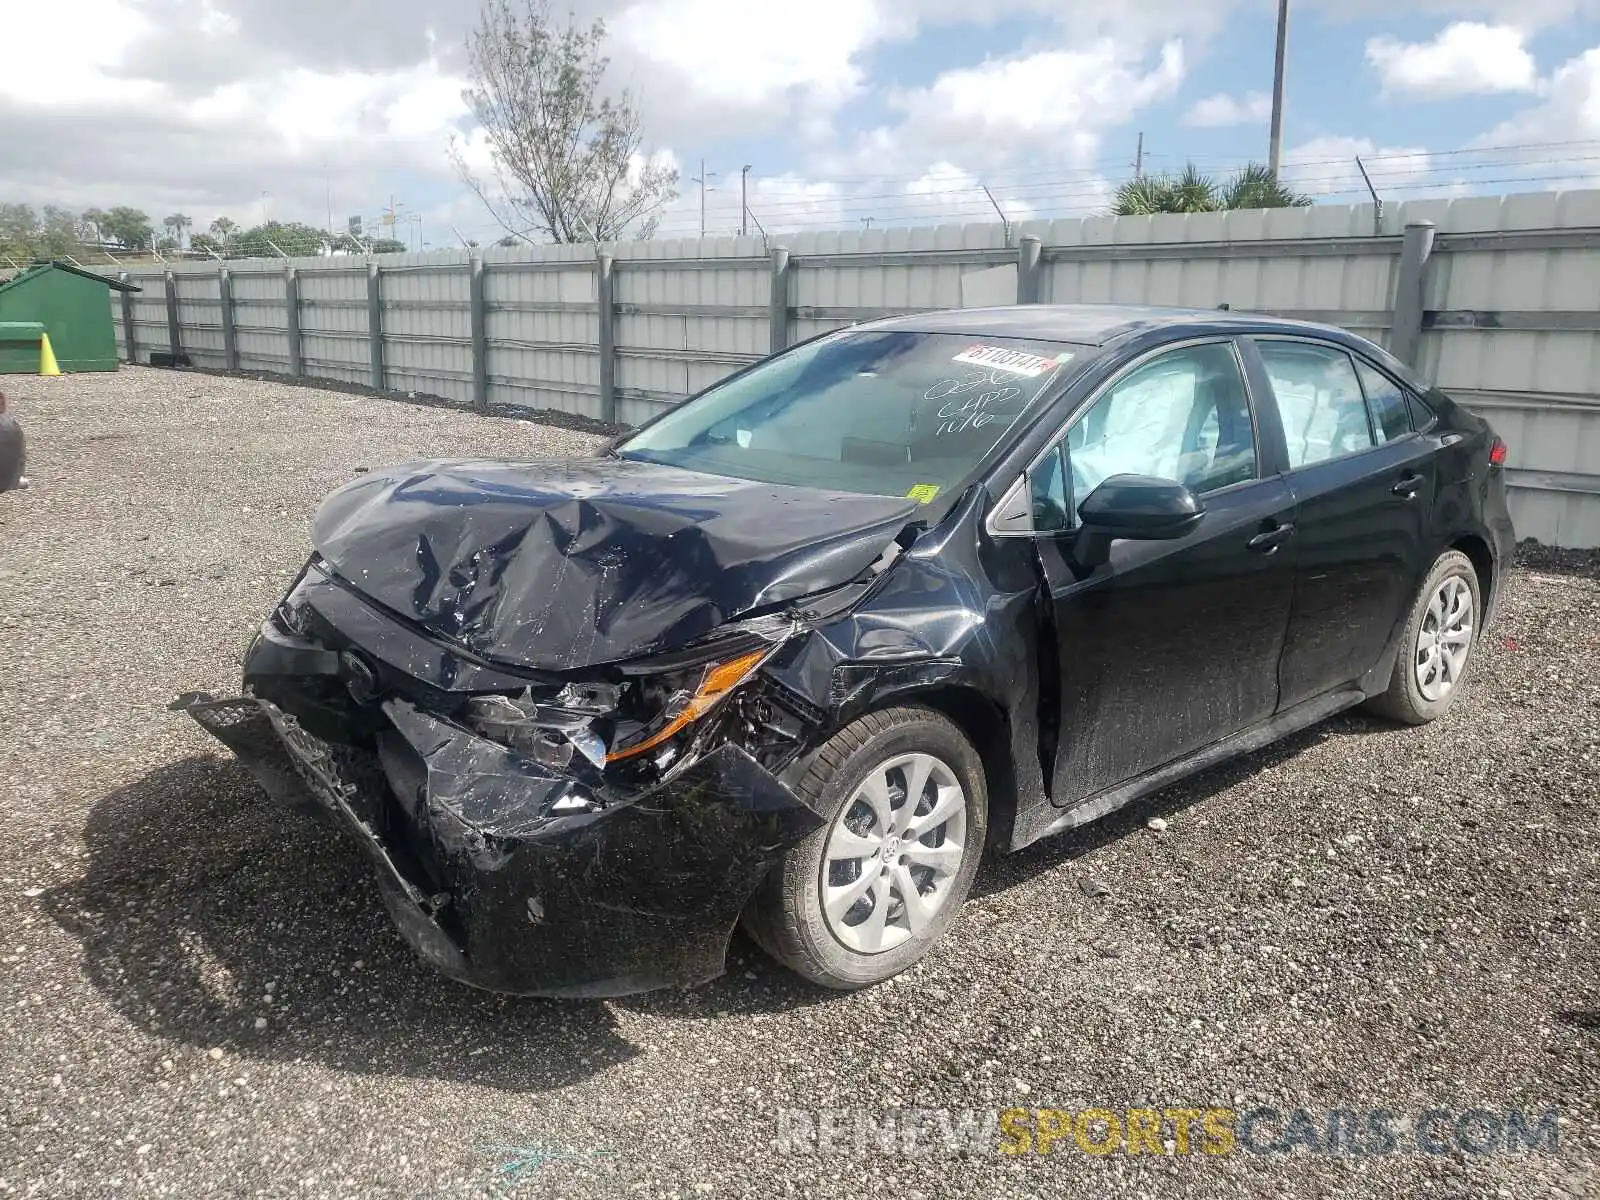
x,y
508,876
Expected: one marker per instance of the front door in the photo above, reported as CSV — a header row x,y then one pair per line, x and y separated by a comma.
x,y
1169,646
1363,487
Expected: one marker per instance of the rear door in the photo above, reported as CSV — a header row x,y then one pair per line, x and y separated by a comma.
x,y
1364,486
1170,645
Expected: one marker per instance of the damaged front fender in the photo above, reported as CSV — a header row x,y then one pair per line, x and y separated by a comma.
x,y
509,876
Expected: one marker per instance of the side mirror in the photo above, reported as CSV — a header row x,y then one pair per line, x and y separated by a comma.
x,y
1136,508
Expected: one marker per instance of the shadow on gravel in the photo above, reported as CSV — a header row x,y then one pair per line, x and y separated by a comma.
x,y
200,900
997,874
199,895
1587,1020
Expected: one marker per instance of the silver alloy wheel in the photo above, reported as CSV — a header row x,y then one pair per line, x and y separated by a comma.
x,y
893,853
1444,639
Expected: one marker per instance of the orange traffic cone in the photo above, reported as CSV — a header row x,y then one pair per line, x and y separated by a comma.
x,y
47,357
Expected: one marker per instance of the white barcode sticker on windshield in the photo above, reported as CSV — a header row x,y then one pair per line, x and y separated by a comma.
x,y
1015,362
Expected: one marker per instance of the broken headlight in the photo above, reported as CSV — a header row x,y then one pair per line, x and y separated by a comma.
x,y
548,730
667,704
610,722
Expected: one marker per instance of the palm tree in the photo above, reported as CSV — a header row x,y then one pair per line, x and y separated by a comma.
x,y
1253,187
1257,187
177,222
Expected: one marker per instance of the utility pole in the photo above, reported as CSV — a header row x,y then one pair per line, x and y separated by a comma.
x,y
1138,158
701,180
1275,148
744,200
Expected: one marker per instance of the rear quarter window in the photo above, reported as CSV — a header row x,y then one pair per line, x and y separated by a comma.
x,y
1386,401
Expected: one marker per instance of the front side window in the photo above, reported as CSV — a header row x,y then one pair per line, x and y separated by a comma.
x,y
889,412
1319,400
1182,416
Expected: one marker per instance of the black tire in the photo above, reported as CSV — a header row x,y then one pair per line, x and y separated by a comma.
x,y
785,916
1404,700
13,453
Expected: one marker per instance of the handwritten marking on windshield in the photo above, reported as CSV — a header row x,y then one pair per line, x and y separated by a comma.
x,y
962,385
975,411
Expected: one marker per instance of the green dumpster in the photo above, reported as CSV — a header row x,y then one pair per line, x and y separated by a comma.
x,y
20,344
74,308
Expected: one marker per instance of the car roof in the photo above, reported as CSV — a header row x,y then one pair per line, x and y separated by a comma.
x,y
1092,324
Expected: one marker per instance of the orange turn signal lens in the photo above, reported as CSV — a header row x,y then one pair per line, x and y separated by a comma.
x,y
718,680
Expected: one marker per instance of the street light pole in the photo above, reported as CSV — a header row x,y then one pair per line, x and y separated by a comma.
x,y
1275,147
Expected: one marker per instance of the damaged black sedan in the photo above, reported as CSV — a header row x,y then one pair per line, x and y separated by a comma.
x,y
799,650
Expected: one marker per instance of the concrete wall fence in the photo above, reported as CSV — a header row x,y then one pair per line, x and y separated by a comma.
x,y
1495,298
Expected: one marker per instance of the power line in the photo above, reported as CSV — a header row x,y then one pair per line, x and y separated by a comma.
x,y
1046,191
1053,193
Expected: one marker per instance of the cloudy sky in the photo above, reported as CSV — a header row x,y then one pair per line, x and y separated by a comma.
x,y
845,110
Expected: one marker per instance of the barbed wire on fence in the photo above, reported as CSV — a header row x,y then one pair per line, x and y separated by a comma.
x,y
787,205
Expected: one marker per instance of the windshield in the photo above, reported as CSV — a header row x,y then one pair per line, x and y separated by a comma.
x,y
890,413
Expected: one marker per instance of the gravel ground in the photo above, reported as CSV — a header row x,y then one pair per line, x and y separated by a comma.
x,y
203,997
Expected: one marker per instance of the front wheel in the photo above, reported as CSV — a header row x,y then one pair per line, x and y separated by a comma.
x,y
869,893
1436,645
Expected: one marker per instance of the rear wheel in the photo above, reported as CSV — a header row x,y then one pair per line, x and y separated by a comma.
x,y
1437,644
869,893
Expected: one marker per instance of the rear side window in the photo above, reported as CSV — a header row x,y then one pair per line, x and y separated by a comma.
x,y
1320,400
1386,401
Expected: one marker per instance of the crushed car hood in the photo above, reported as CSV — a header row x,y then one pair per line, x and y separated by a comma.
x,y
557,565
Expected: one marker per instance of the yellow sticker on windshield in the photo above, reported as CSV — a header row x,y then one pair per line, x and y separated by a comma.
x,y
923,493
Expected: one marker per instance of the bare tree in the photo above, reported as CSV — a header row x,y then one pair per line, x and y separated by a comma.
x,y
567,160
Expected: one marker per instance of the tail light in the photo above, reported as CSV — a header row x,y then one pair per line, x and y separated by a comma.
x,y
1498,452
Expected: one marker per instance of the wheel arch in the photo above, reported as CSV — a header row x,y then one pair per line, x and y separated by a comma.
x,y
1476,548
984,723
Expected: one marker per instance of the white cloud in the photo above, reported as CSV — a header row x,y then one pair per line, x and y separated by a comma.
x,y
101,34
1570,110
1465,58
200,105
780,204
712,48
946,191
1326,166
1525,14
1222,109
1055,102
